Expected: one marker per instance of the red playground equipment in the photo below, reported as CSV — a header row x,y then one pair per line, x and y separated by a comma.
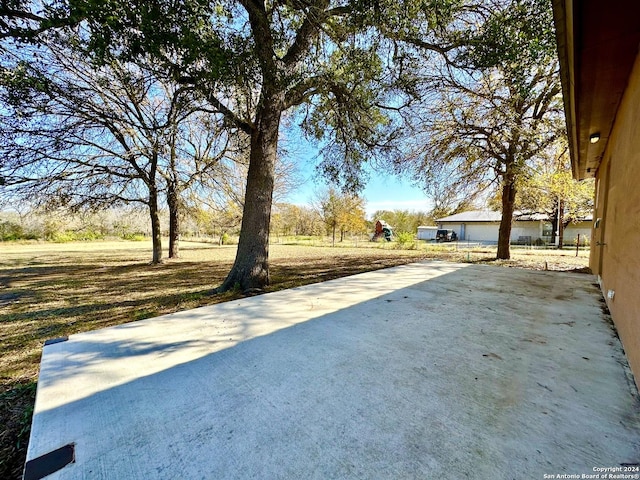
x,y
383,230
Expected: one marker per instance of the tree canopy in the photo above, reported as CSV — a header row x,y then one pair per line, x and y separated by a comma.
x,y
474,81
341,212
78,135
254,60
494,109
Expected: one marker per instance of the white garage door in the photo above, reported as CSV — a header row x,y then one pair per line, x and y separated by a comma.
x,y
481,232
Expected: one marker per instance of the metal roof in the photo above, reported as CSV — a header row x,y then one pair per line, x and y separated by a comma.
x,y
473,216
493,216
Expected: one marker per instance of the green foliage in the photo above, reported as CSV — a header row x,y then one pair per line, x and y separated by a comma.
x,y
405,19
135,237
347,119
404,221
24,21
74,236
551,184
10,231
406,240
21,84
515,38
186,32
61,237
342,212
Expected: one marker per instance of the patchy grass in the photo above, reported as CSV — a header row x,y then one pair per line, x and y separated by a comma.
x,y
52,290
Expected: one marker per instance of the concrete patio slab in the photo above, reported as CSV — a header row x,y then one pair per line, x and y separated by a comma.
x,y
429,370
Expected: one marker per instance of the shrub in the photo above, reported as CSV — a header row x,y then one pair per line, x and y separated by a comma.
x,y
73,236
134,237
11,231
406,240
62,237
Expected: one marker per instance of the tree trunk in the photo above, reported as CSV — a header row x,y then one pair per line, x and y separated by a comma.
x,y
251,267
174,221
508,203
156,235
554,225
560,224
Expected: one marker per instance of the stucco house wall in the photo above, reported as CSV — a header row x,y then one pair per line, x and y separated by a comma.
x,y
478,231
615,253
531,229
572,231
598,45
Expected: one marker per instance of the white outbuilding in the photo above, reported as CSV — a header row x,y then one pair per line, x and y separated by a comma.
x,y
427,233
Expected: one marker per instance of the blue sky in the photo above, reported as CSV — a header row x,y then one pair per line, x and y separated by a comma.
x,y
386,192
383,191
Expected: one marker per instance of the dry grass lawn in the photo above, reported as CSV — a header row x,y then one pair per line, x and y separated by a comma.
x,y
52,290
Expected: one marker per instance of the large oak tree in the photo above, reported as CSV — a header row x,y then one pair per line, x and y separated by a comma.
x,y
255,60
494,107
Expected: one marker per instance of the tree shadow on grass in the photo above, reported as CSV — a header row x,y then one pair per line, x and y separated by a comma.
x,y
40,302
46,302
303,271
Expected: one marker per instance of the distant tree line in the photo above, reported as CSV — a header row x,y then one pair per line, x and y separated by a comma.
x,y
125,223
335,215
405,221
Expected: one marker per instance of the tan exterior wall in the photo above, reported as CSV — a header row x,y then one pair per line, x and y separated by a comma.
x,y
617,260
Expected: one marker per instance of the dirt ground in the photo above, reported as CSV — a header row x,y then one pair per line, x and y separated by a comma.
x,y
51,290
